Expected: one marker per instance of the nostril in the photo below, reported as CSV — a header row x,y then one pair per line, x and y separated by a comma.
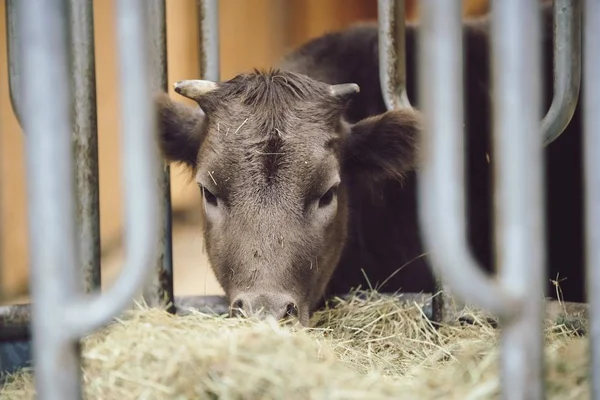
x,y
291,310
238,304
237,308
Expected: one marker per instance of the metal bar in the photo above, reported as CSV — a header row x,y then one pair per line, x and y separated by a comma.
x,y
140,169
85,138
519,174
441,188
591,138
15,319
567,68
42,34
13,57
516,63
567,56
84,126
392,53
208,17
159,288
392,78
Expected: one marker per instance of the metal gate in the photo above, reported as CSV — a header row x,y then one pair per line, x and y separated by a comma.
x,y
64,215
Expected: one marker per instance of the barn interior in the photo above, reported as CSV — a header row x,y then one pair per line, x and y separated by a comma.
x,y
253,34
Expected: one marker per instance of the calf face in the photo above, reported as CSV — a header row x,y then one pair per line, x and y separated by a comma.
x,y
271,154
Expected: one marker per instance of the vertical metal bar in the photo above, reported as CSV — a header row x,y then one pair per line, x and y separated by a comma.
x,y
43,57
84,126
208,21
567,68
140,168
519,204
392,78
85,137
392,53
58,319
159,289
441,188
591,132
13,57
518,297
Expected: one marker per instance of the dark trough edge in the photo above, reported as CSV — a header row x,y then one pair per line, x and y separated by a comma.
x,y
14,319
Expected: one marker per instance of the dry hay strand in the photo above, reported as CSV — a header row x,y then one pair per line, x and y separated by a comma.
x,y
370,346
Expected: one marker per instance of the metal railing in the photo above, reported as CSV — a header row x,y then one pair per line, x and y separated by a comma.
x,y
62,173
84,123
516,295
63,191
567,80
61,310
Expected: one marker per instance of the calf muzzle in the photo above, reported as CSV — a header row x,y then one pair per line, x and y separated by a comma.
x,y
264,305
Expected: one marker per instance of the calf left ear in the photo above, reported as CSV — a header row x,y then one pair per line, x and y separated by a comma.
x,y
385,146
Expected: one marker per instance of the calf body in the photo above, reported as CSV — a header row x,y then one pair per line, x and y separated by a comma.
x,y
384,230
309,185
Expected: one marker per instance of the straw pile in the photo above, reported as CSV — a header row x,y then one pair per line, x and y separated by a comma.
x,y
368,347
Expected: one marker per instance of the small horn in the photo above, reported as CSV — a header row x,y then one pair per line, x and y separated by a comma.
x,y
194,89
344,89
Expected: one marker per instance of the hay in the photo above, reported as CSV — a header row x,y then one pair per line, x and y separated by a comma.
x,y
368,347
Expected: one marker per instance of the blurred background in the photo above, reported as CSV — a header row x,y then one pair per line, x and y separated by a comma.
x,y
253,34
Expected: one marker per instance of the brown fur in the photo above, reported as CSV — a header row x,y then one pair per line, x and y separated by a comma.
x,y
272,140
384,237
268,146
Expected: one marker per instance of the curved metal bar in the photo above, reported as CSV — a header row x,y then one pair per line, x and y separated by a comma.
x,y
441,180
140,168
43,56
392,79
392,53
84,126
567,62
591,149
208,21
85,139
567,68
517,298
13,57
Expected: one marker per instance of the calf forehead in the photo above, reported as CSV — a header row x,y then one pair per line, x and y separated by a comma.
x,y
263,147
269,133
289,129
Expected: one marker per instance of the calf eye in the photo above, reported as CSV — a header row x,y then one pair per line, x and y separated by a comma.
x,y
327,198
209,197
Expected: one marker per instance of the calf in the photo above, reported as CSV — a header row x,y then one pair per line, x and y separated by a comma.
x,y
309,184
276,163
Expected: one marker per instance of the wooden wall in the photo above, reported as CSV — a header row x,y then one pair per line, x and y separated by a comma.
x,y
253,34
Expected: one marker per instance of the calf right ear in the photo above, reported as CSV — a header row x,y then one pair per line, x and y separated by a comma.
x,y
180,130
385,146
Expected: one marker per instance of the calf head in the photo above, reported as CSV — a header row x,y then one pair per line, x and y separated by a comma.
x,y
273,158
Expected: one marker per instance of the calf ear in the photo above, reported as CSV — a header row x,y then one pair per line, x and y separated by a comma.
x,y
180,130
384,146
